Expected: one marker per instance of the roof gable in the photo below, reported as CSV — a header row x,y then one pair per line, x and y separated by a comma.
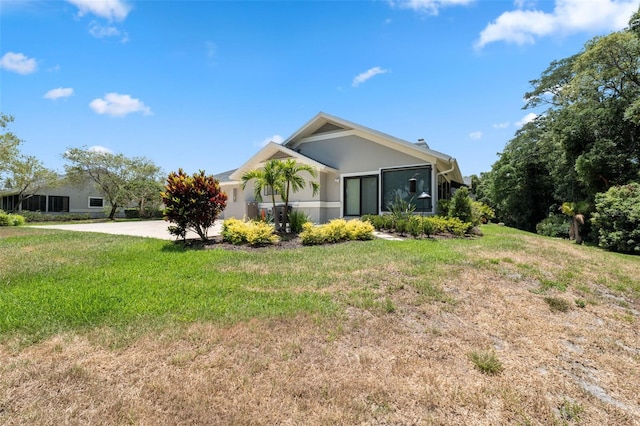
x,y
273,151
324,126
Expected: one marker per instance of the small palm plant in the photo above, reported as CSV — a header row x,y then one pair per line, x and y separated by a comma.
x,y
268,177
577,212
294,182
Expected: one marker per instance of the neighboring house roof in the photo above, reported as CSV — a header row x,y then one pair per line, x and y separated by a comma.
x,y
324,125
272,151
224,176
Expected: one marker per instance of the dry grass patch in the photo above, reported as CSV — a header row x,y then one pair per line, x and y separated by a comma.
x,y
365,364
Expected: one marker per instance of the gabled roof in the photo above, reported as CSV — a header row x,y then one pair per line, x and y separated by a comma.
x,y
273,150
324,126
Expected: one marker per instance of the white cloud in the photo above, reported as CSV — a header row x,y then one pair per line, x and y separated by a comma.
x,y
101,31
275,138
362,77
430,7
475,135
58,93
568,16
501,125
117,105
527,119
17,62
113,10
100,148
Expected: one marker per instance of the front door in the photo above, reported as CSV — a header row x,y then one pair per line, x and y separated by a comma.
x,y
360,195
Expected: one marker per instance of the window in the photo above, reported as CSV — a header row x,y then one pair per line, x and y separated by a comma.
x,y
96,202
395,184
235,194
58,203
360,195
35,203
268,190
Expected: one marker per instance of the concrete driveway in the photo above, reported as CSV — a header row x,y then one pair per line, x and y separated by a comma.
x,y
145,228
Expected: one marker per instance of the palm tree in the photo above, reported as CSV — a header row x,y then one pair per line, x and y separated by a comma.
x,y
270,176
576,211
294,182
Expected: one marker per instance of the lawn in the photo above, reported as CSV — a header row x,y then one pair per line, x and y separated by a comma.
x,y
507,328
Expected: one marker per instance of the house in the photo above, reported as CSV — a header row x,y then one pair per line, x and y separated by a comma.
x,y
57,200
360,171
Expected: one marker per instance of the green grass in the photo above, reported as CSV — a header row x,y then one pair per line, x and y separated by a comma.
x,y
486,361
55,281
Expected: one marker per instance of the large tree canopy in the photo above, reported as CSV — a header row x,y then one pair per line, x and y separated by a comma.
x,y
122,180
583,143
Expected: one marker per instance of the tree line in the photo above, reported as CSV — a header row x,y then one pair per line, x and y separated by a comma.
x,y
585,141
123,181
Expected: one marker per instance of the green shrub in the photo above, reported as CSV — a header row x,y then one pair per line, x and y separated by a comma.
x,y
48,217
414,226
131,213
443,207
401,226
617,218
17,219
481,213
9,219
297,218
401,209
452,225
460,206
5,219
254,233
556,225
427,227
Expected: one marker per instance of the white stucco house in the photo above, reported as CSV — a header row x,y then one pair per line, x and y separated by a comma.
x,y
360,171
59,199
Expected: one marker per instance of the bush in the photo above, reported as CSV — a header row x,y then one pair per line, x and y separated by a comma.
x,y
359,230
17,219
617,218
131,213
254,233
401,209
8,219
312,235
481,213
460,206
453,225
414,226
5,219
335,231
62,217
297,218
192,203
555,225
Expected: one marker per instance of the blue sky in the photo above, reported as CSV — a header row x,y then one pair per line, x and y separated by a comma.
x,y
204,84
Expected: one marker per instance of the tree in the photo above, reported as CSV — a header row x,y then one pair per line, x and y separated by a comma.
x,y
281,177
293,182
586,141
27,176
117,176
192,203
577,212
267,178
617,218
8,144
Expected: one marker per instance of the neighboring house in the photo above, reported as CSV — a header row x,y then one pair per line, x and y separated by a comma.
x,y
59,199
360,171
